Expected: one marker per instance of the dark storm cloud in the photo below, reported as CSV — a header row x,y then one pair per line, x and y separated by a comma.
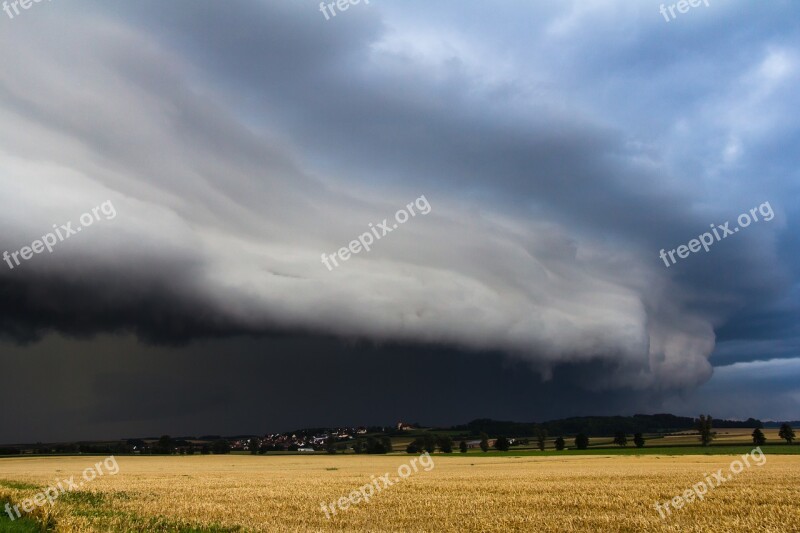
x,y
113,388
150,307
239,141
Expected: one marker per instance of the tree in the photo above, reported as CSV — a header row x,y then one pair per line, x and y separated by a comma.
x,y
704,427
502,444
254,444
429,442
638,440
753,423
378,446
330,445
620,439
387,444
560,443
581,441
462,446
221,447
446,444
165,444
786,433
412,448
360,446
541,437
373,445
758,437
484,442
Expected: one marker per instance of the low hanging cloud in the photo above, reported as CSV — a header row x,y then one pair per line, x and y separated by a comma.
x,y
223,215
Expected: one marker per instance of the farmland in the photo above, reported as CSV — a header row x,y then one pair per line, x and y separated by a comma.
x,y
470,492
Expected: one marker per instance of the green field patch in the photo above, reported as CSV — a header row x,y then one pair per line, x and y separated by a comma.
x,y
102,515
81,498
93,505
17,485
212,529
166,525
20,525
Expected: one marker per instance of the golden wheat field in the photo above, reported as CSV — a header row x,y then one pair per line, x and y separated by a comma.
x,y
460,493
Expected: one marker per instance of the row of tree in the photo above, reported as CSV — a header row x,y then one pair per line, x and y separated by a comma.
x,y
371,445
444,443
785,432
597,426
166,445
707,434
430,442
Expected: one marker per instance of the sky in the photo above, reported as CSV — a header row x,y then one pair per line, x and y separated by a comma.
x,y
257,216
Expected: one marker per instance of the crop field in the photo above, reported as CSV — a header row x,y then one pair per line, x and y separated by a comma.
x,y
469,492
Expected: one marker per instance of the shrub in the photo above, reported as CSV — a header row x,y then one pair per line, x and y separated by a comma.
x,y
502,444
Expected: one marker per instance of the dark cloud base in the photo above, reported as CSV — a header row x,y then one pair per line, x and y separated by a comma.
x,y
114,387
162,309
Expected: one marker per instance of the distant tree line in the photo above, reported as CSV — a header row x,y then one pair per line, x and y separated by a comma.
x,y
429,442
373,445
704,425
168,445
598,426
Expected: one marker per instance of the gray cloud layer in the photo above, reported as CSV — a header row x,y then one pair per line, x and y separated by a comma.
x,y
560,154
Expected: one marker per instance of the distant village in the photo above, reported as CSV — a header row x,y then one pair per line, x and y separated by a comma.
x,y
304,440
301,441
